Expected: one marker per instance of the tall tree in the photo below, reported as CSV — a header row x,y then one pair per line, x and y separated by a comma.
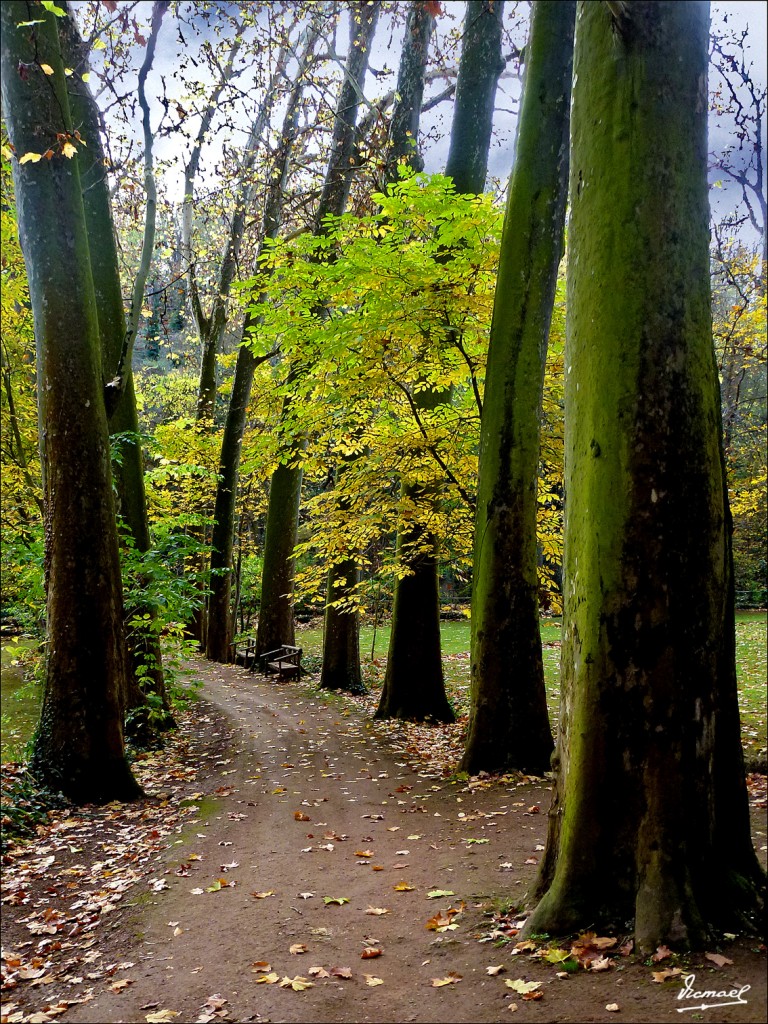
x,y
341,636
219,626
276,625
413,683
508,723
79,746
147,704
649,821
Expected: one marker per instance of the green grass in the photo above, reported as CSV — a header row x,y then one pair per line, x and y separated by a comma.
x,y
750,664
21,700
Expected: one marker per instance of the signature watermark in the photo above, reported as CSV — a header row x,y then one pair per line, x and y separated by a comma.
x,y
710,998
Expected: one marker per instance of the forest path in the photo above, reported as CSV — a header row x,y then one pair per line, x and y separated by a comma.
x,y
285,750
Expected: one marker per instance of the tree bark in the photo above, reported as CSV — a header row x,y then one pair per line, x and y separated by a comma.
x,y
649,821
414,660
508,722
146,678
79,746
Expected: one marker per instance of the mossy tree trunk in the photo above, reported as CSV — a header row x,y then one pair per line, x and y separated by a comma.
x,y
508,723
79,746
413,682
276,625
147,705
649,821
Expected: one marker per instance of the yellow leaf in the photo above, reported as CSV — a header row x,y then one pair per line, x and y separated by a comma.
x,y
518,985
161,1016
372,981
86,77
68,150
30,158
403,887
46,68
268,979
298,984
451,979
377,911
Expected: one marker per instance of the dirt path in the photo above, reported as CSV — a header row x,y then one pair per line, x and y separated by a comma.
x,y
311,804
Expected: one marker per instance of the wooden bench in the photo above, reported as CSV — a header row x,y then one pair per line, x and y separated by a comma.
x,y
285,661
244,652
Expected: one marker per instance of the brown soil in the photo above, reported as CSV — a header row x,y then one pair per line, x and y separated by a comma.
x,y
305,787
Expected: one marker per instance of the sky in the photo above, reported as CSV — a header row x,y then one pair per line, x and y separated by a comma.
x,y
385,54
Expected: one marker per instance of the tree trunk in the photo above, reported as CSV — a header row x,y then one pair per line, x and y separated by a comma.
x,y
276,626
479,70
508,722
146,677
79,742
219,631
341,638
276,604
649,820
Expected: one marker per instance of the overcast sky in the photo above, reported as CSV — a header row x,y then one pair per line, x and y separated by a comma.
x,y
733,13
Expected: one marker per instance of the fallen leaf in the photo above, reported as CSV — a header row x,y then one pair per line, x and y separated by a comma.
x,y
363,853
602,963
512,1007
118,986
298,984
263,895
372,981
341,972
268,979
556,956
297,947
261,967
717,959
451,979
493,971
613,1007
318,972
437,894
442,922
532,996
339,900
306,895
46,68
662,952
301,816
161,1017
662,976
403,887
370,953
402,853
377,911
522,987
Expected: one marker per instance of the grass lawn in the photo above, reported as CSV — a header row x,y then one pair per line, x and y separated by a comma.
x,y
750,662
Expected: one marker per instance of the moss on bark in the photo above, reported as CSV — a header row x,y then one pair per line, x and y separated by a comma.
x,y
79,742
649,821
509,726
